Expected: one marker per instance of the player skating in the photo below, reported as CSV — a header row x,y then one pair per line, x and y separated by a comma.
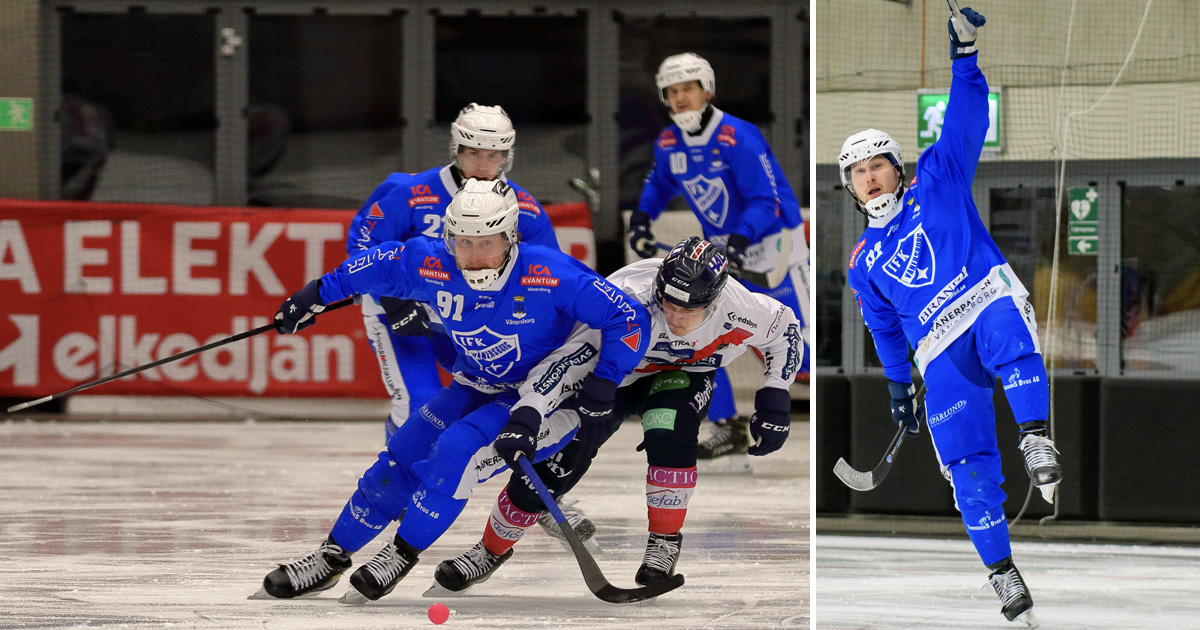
x,y
506,307
731,180
405,334
698,323
927,274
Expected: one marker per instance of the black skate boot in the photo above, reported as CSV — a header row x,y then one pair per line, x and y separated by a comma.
x,y
473,567
316,572
729,437
1041,458
382,573
1015,601
583,526
662,552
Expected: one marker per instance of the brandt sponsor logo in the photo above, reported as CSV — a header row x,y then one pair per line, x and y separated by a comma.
x,y
949,291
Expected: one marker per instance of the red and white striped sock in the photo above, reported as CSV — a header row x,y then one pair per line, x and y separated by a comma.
x,y
506,525
668,491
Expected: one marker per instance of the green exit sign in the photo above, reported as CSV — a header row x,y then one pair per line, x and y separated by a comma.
x,y
16,114
931,112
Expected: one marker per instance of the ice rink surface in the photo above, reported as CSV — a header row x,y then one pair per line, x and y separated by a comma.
x,y
173,525
906,583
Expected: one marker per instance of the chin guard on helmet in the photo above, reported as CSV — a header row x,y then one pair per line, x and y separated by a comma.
x,y
865,145
692,275
482,208
483,127
682,68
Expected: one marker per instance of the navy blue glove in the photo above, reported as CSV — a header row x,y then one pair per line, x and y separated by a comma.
x,y
963,32
300,311
519,436
641,239
904,406
735,250
405,317
595,398
772,420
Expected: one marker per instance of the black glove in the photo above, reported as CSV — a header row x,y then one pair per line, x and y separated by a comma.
x,y
519,436
299,311
904,406
641,239
405,317
595,397
772,420
962,32
735,249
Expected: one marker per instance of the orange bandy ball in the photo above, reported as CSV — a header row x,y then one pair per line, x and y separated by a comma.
x,y
438,613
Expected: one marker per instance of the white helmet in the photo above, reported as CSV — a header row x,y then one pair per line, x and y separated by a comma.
x,y
865,145
481,208
483,127
682,68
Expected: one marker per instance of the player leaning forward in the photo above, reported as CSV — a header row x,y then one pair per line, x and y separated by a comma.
x,y
506,307
927,274
698,321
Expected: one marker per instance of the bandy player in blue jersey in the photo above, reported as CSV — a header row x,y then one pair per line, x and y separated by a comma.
x,y
730,178
406,335
927,274
505,307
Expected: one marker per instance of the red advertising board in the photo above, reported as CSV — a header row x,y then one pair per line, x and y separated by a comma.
x,y
90,289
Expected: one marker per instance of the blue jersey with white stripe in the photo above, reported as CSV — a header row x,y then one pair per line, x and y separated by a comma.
x,y
501,333
922,276
414,204
729,177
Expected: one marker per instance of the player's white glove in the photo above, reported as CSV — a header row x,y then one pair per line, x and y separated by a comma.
x,y
963,26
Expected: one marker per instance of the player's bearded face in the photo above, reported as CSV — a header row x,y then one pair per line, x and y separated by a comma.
x,y
873,177
685,97
480,252
680,320
480,163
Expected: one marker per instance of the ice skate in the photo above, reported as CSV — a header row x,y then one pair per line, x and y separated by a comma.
x,y
1015,601
583,526
662,552
456,575
379,576
308,576
1041,463
724,451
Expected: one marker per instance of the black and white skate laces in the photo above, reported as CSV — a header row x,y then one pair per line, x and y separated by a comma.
x,y
317,571
380,575
583,526
662,553
729,437
473,567
1015,600
1041,459
476,562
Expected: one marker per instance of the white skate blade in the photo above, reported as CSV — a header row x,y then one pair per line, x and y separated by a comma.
x,y
1048,492
262,593
1028,618
437,590
725,465
353,597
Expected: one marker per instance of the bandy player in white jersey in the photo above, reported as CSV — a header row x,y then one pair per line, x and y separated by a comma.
x,y
699,322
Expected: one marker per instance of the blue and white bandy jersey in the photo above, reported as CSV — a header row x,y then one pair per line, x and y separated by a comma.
x,y
729,177
737,321
922,276
406,205
502,332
